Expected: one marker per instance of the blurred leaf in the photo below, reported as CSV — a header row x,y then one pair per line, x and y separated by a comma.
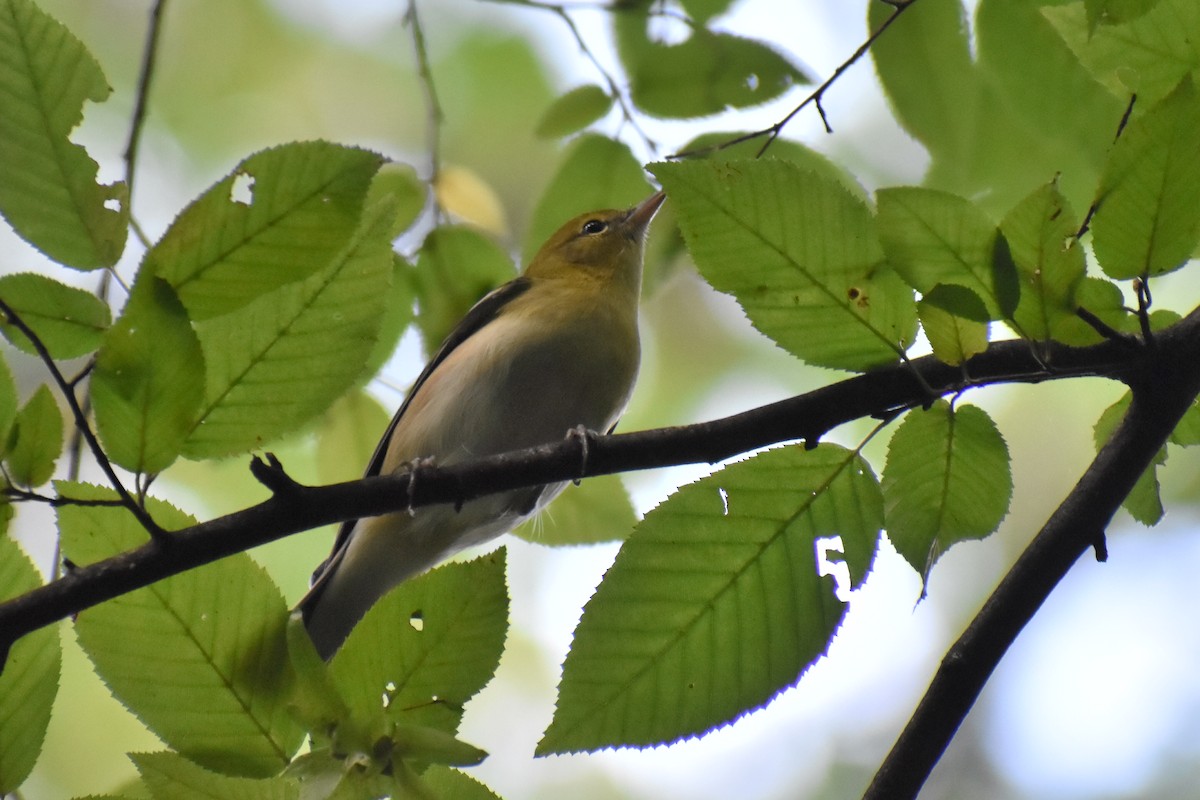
x,y
35,441
457,266
70,322
149,380
706,74
282,215
170,776
48,188
799,253
947,480
955,321
715,604
200,657
1187,432
1040,233
278,362
398,314
450,784
466,195
703,10
8,405
347,436
1148,220
597,510
574,111
596,173
933,237
1114,12
29,681
1143,502
399,184
428,646
1147,56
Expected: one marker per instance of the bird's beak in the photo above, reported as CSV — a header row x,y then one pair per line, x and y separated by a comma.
x,y
641,214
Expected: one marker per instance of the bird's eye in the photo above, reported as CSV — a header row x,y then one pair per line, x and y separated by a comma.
x,y
593,226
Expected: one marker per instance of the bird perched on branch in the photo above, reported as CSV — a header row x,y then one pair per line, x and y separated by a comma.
x,y
553,350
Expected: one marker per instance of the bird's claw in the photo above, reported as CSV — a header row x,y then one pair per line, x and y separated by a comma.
x,y
584,437
414,468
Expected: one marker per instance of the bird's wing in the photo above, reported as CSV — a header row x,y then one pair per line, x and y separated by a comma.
x,y
483,312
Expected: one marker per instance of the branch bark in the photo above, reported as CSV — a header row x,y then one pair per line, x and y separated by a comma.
x,y
806,417
1164,387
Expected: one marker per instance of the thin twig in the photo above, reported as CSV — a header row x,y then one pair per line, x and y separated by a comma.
x,y
81,422
435,115
772,132
149,58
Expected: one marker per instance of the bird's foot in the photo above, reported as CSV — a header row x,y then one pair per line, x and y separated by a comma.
x,y
414,468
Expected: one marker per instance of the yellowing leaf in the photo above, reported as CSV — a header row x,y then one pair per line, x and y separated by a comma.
x,y
466,195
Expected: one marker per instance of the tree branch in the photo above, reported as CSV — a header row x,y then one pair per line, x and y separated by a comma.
x,y
807,417
1163,389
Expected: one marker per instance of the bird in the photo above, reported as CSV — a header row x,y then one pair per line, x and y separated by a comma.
x,y
554,351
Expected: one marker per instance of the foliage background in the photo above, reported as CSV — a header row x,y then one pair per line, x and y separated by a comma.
x,y
1111,652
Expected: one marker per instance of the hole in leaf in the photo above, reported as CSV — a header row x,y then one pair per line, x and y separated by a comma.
x,y
752,82
417,620
724,501
242,190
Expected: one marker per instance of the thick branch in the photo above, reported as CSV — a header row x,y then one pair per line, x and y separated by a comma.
x,y
1162,391
806,417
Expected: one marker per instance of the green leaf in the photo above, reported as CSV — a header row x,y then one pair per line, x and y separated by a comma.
x,y
933,237
706,74
402,189
170,776
456,267
450,784
282,215
428,646
1102,298
951,317
48,188
1040,233
574,111
1187,432
149,380
799,253
280,361
200,657
347,436
29,681
398,314
596,173
1147,56
1148,220
35,441
597,510
8,405
715,604
1114,12
947,480
69,322
1143,502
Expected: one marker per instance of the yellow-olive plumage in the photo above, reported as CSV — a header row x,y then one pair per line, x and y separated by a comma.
x,y
554,349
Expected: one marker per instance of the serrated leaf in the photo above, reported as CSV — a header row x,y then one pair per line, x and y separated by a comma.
x,y
282,360
574,111
933,237
947,480
199,657
1146,56
170,776
149,380
799,253
456,267
68,321
596,173
282,215
8,405
1143,502
705,74
950,316
1148,220
428,646
715,604
1049,260
35,441
29,681
48,188
598,510
450,784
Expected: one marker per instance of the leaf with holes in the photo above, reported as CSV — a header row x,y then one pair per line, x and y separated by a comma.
x,y
199,657
947,480
799,253
716,604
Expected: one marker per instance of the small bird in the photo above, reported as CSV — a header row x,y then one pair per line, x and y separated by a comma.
x,y
552,351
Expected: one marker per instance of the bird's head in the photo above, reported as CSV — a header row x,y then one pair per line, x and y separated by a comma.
x,y
607,242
